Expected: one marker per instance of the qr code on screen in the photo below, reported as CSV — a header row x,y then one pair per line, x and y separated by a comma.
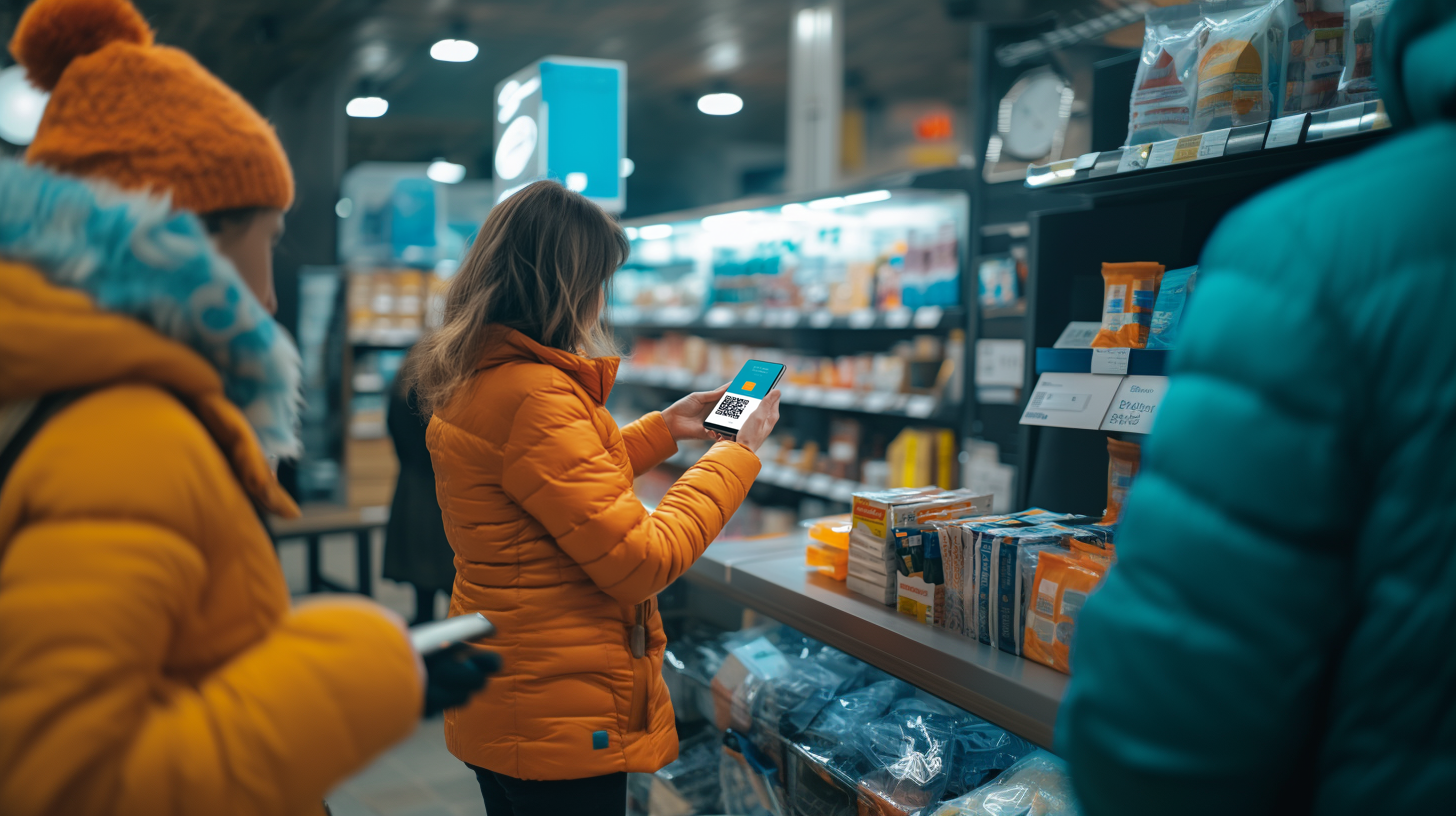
x,y
732,407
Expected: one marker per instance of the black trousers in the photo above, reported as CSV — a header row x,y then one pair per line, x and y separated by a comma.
x,y
593,796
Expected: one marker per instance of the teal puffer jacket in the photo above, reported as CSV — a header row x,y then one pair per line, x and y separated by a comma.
x,y
1279,635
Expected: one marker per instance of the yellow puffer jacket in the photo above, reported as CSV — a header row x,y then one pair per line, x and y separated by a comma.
x,y
149,659
551,544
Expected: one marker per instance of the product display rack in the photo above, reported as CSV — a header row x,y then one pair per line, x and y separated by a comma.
x,y
769,575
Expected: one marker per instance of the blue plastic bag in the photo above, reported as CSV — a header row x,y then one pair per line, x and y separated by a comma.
x,y
1168,310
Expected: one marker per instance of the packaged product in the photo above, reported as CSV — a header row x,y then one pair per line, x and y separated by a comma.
x,y
973,600
1362,20
1123,459
829,545
746,665
1241,57
986,750
1037,785
750,783
1000,588
1316,59
1173,292
1163,90
1061,585
911,751
1129,295
690,784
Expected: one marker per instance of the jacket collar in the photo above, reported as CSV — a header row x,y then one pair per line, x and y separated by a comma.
x,y
130,255
595,375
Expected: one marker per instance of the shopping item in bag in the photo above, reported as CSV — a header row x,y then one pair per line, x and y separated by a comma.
x,y
1362,21
1241,57
1038,785
1123,460
1060,589
1173,292
1130,292
1164,89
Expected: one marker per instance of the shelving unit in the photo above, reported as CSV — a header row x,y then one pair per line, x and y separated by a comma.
x,y
769,575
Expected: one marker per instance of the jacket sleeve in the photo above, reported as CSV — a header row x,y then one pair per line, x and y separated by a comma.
x,y
1199,669
90,724
648,442
557,468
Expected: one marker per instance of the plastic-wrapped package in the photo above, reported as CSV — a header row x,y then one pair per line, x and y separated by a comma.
x,y
1130,291
815,788
1163,90
842,718
1123,460
1316,59
1173,293
1061,586
733,685
750,783
983,752
1362,20
689,785
912,752
1038,785
1241,57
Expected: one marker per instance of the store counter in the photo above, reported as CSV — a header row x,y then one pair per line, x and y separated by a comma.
x,y
770,576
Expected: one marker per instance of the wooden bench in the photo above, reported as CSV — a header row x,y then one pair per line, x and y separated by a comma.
x,y
319,520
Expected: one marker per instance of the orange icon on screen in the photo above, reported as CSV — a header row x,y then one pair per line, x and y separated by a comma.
x,y
748,386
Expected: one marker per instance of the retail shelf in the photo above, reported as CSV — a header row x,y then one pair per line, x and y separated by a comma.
x,y
1263,151
912,406
769,575
1152,362
818,485
925,318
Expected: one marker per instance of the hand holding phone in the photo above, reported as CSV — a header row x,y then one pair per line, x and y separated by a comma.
x,y
749,397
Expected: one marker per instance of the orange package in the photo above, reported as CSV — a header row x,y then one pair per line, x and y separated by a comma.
x,y
1123,459
1061,586
1129,294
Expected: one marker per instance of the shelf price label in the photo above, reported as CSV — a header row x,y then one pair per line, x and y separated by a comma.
x,y
1187,148
898,318
1135,405
1213,143
1133,158
821,319
1070,400
920,406
1162,153
927,317
862,319
1110,360
1285,131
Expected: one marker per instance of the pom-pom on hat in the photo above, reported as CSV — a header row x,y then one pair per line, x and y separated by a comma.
x,y
143,116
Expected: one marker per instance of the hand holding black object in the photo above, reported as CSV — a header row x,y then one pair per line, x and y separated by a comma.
x,y
454,675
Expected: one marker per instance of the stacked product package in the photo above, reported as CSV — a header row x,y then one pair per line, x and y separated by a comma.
x,y
873,545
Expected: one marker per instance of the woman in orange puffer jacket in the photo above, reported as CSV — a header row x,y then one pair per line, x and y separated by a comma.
x,y
535,483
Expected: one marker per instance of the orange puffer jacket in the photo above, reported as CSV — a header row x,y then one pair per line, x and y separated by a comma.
x,y
551,544
150,661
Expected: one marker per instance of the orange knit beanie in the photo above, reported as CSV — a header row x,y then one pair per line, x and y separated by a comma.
x,y
143,116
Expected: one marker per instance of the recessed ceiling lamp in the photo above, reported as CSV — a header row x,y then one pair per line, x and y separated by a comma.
x,y
628,167
366,107
21,106
720,104
454,50
445,172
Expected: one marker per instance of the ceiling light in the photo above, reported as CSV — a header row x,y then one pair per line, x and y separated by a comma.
x,y
21,106
445,172
454,50
517,145
655,231
628,167
720,104
512,94
576,182
366,107
723,57
344,208
866,198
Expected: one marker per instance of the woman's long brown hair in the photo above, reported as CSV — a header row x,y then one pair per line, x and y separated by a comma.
x,y
539,265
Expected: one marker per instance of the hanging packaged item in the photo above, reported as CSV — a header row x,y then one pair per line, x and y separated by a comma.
x,y
1173,292
1164,88
1129,295
1362,21
1241,57
1060,588
1123,460
1316,58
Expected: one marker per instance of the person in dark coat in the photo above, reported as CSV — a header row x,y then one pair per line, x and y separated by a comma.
x,y
415,549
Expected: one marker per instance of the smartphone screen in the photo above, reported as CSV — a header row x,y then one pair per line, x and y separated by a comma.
x,y
747,390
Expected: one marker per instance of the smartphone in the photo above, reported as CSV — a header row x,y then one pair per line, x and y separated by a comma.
x,y
747,390
437,636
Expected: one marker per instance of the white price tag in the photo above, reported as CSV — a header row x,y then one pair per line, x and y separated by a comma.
x,y
1162,153
897,318
811,395
841,398
719,316
1133,158
1213,143
862,319
753,316
820,484
1000,362
821,319
928,317
1070,400
844,490
707,382
680,378
920,406
878,402
1187,148
1285,131
1135,405
791,393
1078,334
1111,361
1085,161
